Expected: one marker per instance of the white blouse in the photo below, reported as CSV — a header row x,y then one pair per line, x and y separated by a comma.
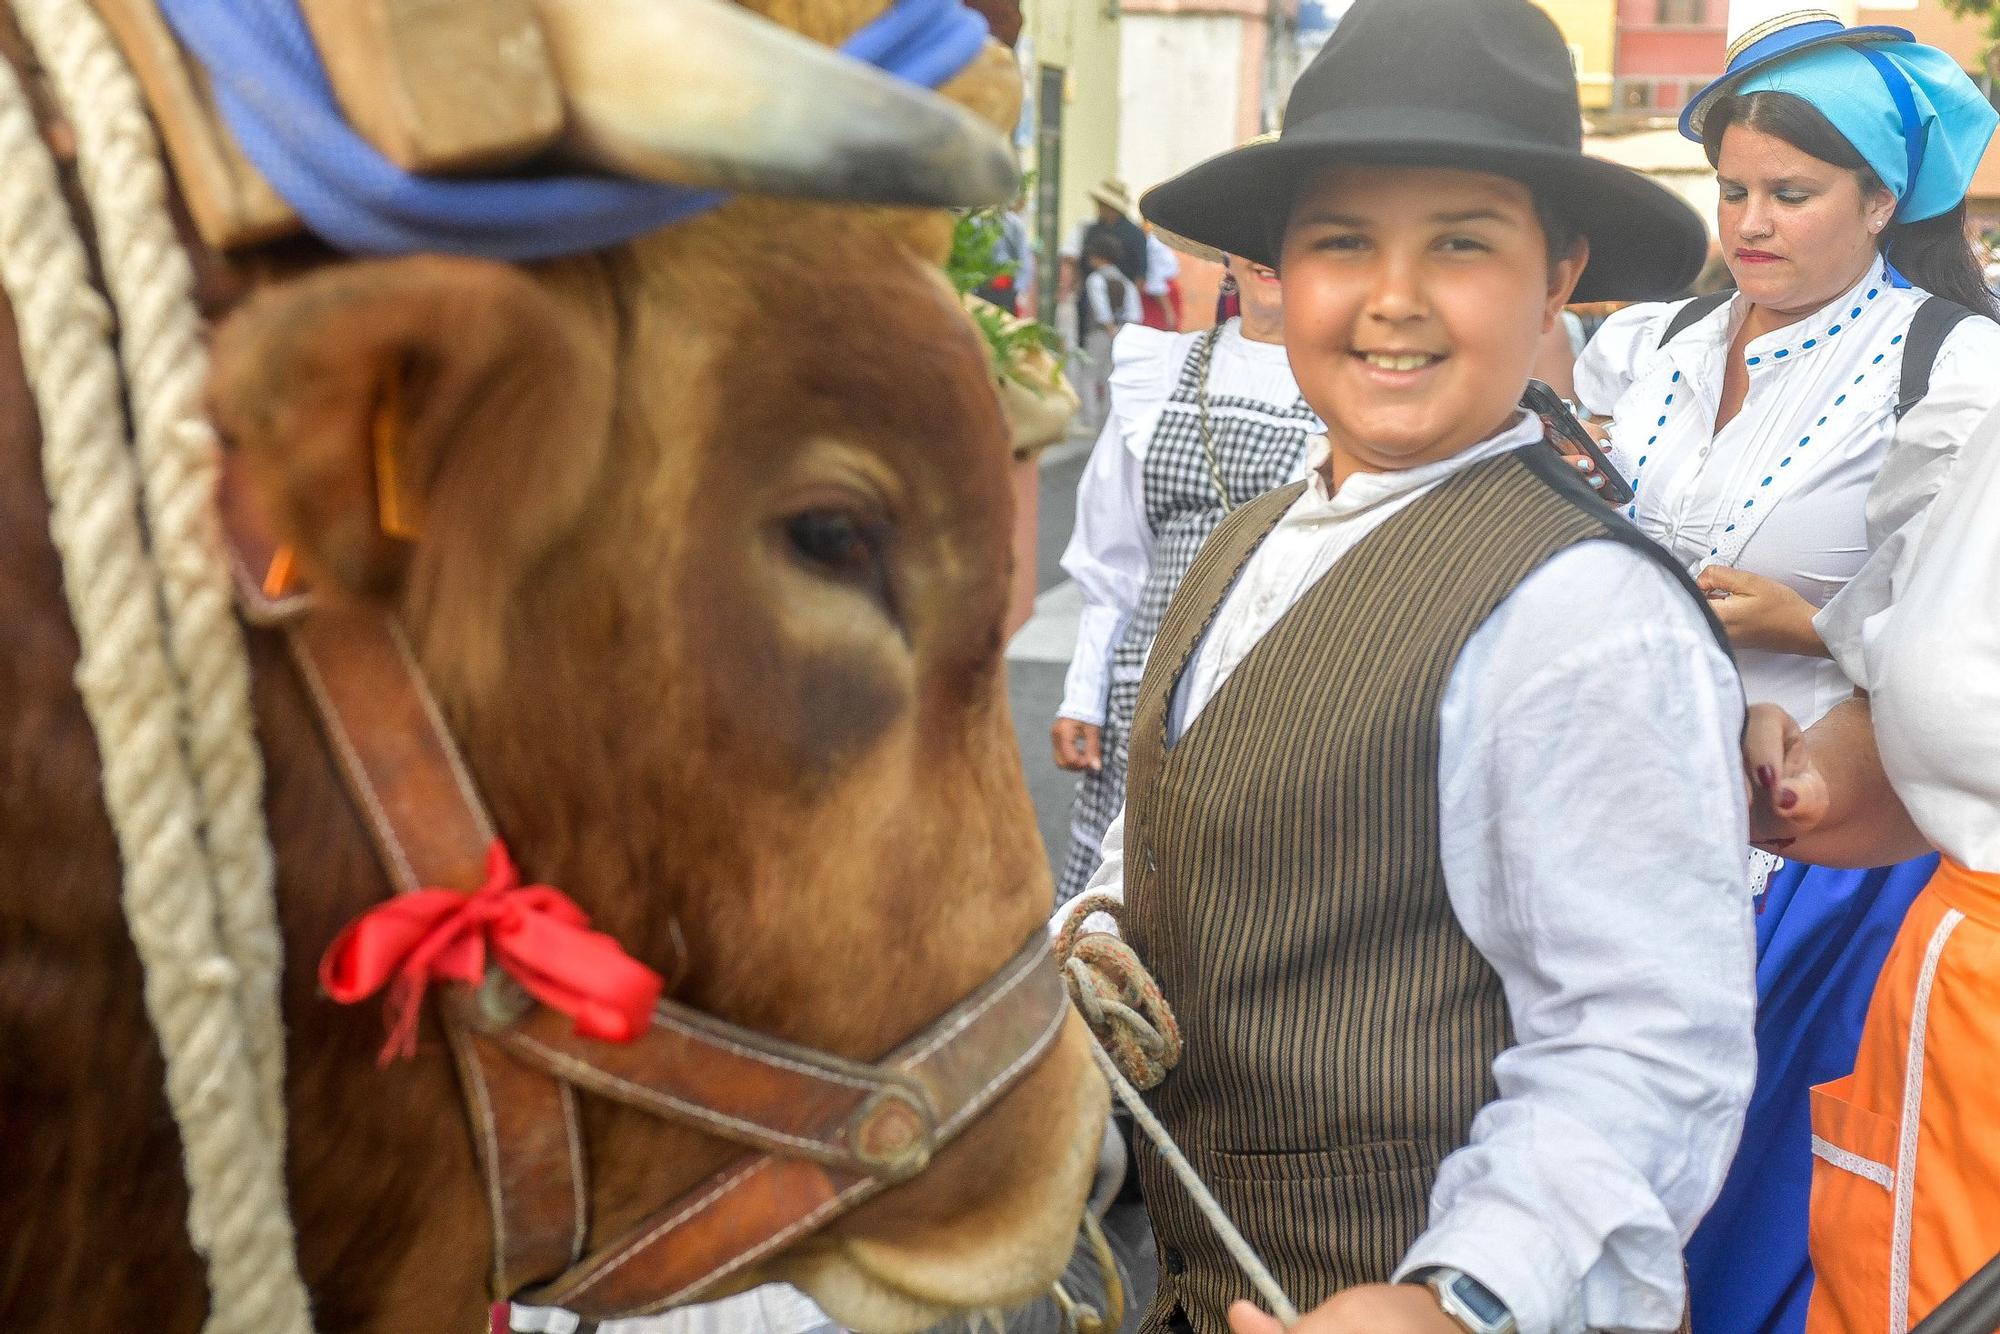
x,y
1922,636
1112,544
1781,490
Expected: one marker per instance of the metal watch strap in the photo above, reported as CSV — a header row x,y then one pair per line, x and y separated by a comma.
x,y
1446,1283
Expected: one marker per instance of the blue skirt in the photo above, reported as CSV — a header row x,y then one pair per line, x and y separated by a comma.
x,y
1821,938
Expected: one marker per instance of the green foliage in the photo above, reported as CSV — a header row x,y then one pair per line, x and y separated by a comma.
x,y
1010,341
1987,9
973,243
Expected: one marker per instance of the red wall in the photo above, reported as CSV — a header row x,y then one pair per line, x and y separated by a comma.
x,y
1693,52
1685,54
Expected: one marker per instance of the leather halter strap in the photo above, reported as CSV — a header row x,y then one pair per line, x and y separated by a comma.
x,y
824,1133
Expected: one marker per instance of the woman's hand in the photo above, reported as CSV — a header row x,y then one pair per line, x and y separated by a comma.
x,y
1077,745
1372,1308
1761,613
1789,796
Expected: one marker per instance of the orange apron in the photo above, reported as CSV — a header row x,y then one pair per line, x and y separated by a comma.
x,y
1906,1150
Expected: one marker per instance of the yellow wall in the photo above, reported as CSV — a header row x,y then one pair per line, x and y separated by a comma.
x,y
1589,26
1082,37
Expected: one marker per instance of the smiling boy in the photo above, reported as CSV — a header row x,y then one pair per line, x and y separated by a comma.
x,y
1434,833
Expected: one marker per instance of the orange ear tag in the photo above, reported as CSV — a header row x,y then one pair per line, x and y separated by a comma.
x,y
399,514
278,577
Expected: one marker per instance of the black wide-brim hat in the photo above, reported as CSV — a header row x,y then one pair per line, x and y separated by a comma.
x,y
1481,85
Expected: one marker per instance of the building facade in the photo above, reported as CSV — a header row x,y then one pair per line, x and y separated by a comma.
x,y
1590,27
1070,64
1666,50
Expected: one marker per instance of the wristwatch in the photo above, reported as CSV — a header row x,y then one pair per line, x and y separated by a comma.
x,y
1467,1300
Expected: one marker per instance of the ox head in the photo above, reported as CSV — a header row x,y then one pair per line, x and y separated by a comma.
x,y
703,543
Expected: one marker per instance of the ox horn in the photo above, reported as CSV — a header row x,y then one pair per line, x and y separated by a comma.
x,y
705,93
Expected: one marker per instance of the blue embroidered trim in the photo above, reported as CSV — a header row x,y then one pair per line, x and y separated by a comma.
x,y
1895,280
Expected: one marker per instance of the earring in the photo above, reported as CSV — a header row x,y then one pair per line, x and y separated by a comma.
x,y
1875,225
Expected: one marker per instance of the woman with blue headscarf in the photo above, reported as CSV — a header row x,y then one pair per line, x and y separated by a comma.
x,y
1785,440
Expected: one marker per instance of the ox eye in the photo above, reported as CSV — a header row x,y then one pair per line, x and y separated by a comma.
x,y
841,543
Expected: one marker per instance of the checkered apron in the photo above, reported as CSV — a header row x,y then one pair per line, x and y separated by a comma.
x,y
1257,447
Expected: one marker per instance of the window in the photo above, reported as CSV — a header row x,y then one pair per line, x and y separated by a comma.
x,y
1681,11
1658,96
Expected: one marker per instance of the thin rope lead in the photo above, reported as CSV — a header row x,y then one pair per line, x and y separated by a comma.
x,y
1130,1021
1205,1203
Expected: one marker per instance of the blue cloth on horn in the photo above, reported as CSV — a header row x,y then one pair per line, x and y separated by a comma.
x,y
1821,941
273,91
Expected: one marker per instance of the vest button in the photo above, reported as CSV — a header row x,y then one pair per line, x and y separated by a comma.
x,y
1151,863
1175,1262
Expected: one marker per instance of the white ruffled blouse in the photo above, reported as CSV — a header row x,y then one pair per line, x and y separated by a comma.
x,y
1920,631
1783,490
1112,544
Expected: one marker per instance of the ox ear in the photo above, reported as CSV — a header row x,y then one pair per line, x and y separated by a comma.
x,y
383,404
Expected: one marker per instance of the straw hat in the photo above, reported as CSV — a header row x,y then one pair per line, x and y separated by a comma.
x,y
1113,194
1763,31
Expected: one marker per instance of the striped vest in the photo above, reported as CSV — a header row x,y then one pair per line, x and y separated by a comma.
x,y
1284,884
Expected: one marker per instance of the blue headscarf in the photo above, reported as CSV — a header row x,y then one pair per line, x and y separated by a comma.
x,y
1908,109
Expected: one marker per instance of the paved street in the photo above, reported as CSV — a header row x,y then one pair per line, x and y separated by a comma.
x,y
1039,655
1037,659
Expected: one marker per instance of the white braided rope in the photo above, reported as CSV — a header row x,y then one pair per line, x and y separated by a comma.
x,y
166,363
132,693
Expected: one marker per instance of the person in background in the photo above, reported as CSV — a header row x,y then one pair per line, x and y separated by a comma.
x,y
1160,295
1110,302
1752,425
1014,287
1906,1148
1113,218
1199,423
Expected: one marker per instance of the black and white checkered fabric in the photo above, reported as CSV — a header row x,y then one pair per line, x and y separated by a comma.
x,y
1258,446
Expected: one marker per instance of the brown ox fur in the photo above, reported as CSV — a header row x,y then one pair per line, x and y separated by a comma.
x,y
674,715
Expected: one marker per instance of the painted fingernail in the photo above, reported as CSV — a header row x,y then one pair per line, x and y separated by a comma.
x,y
1596,482
1787,799
1767,775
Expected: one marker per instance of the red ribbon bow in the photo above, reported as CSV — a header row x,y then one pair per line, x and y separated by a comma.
x,y
537,934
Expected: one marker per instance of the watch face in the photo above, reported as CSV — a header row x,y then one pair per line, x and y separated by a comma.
x,y
1488,1309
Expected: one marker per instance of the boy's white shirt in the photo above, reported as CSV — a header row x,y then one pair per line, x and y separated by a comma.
x,y
1592,814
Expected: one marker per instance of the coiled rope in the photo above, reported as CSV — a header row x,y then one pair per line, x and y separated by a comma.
x,y
1138,1041
161,666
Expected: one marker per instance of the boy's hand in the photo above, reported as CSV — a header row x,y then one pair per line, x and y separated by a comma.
x,y
1373,1308
1788,794
1077,745
1760,613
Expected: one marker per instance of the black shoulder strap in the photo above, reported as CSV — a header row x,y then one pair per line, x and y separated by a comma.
x,y
1929,327
1693,311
